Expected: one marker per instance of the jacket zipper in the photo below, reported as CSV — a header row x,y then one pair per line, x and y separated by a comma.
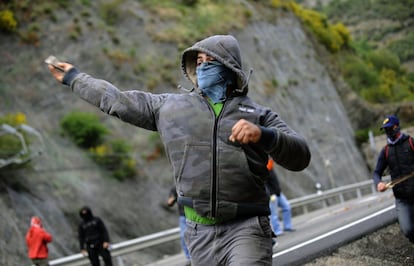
x,y
214,160
214,177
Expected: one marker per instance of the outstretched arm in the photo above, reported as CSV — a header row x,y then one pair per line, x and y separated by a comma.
x,y
135,106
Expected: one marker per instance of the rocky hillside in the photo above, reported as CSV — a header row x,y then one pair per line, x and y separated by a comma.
x,y
292,75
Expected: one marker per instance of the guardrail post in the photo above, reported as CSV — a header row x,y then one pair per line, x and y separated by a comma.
x,y
341,198
119,261
359,194
373,189
305,209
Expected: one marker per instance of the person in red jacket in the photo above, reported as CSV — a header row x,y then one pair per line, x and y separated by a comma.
x,y
37,239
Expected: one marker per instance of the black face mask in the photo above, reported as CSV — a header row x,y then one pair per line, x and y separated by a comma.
x,y
86,214
392,132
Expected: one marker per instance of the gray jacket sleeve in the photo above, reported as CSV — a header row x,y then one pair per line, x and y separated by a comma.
x,y
286,147
135,107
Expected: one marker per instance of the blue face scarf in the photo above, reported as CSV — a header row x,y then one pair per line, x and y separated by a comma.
x,y
213,78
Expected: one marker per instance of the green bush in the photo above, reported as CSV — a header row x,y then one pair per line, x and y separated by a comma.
x,y
375,79
10,144
358,73
384,59
7,21
333,37
84,128
399,10
361,136
403,48
410,77
376,75
362,47
345,36
87,132
110,12
189,2
196,19
115,157
13,119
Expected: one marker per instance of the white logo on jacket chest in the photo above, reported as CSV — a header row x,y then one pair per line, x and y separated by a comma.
x,y
246,109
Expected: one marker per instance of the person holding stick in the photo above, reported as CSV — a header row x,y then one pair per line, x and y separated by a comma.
x,y
398,156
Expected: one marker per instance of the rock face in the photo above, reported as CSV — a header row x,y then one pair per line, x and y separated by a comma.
x,y
289,76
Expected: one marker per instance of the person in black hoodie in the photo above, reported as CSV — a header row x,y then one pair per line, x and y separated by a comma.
x,y
93,238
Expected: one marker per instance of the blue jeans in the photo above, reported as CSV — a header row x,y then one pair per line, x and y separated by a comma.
x,y
182,223
405,214
283,203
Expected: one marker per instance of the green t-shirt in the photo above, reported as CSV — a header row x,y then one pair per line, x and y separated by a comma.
x,y
190,213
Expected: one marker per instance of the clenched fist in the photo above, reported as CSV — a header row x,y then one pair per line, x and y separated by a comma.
x,y
245,132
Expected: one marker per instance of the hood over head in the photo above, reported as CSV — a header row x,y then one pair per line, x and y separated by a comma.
x,y
35,221
85,213
223,48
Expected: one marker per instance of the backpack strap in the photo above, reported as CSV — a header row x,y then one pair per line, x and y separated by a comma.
x,y
386,148
410,140
411,143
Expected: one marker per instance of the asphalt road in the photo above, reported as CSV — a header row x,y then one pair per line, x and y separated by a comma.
x,y
320,231
327,229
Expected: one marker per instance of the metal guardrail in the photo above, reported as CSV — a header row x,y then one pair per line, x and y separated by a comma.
x,y
330,197
303,204
123,248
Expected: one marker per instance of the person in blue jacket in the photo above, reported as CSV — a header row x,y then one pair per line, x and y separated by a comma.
x,y
278,199
171,201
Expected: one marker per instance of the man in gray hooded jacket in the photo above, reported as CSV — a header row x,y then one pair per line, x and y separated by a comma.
x,y
218,142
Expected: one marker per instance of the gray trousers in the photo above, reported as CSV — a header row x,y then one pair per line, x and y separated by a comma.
x,y
237,242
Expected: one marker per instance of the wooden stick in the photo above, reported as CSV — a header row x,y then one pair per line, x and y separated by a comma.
x,y
398,180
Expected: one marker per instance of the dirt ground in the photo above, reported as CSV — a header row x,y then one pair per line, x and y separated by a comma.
x,y
387,247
